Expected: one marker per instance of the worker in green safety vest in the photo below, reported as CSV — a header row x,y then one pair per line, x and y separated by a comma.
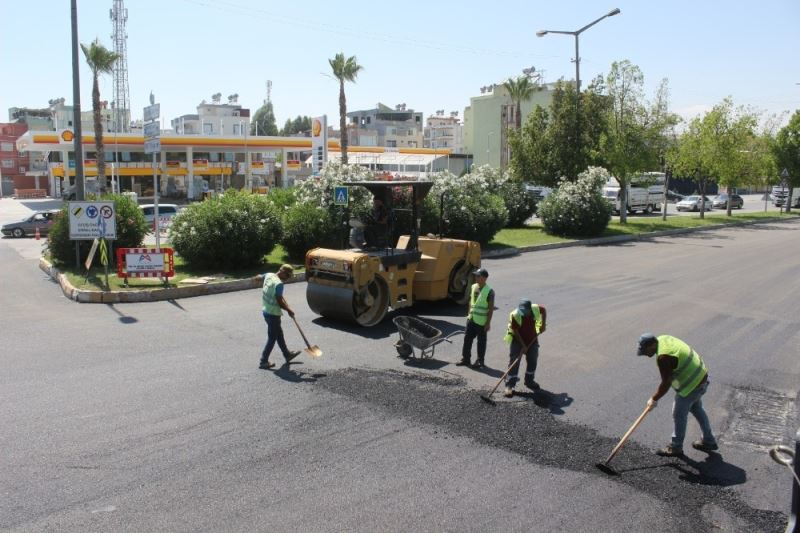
x,y
525,324
479,319
684,370
272,301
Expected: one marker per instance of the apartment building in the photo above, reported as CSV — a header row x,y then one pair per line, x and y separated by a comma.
x,y
444,132
383,126
215,118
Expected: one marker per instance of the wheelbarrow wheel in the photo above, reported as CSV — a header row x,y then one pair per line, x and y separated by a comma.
x,y
404,349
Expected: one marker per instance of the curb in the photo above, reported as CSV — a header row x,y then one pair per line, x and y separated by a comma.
x,y
158,295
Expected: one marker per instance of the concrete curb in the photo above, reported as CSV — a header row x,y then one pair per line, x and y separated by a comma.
x,y
157,295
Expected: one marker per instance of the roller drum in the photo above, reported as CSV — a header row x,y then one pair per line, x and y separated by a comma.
x,y
366,307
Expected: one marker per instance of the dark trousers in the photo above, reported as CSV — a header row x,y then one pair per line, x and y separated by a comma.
x,y
474,330
531,358
274,334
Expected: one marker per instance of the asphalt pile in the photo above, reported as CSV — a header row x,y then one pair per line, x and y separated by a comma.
x,y
529,429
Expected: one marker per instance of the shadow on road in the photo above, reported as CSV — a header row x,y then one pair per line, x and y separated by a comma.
x,y
286,373
123,318
711,471
552,401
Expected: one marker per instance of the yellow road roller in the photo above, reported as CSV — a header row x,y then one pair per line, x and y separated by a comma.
x,y
361,284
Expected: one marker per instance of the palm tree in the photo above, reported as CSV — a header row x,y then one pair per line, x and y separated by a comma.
x,y
344,70
519,90
101,60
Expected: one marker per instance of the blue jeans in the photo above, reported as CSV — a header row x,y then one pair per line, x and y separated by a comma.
x,y
274,334
693,403
531,359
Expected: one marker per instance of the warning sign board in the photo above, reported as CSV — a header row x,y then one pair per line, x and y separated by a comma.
x,y
341,195
92,220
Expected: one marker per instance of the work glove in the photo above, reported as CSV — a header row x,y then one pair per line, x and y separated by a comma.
x,y
652,404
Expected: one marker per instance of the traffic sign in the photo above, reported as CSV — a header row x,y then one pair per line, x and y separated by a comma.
x,y
152,146
341,195
90,220
151,131
152,112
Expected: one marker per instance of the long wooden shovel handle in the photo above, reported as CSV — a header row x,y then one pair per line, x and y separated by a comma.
x,y
308,344
624,438
510,368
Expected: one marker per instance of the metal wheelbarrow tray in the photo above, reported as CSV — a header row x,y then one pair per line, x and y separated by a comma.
x,y
416,334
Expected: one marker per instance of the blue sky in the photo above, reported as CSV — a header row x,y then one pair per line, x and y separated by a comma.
x,y
429,55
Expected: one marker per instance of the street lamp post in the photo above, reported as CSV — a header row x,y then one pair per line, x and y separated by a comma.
x,y
576,34
487,145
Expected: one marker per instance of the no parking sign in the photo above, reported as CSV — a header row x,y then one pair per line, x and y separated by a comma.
x,y
92,220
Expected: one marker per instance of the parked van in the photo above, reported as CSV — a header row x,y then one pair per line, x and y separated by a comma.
x,y
645,193
779,194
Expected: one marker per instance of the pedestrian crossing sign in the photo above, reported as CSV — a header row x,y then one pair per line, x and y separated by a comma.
x,y
341,195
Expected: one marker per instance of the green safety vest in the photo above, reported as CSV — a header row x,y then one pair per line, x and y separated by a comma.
x,y
479,307
517,317
691,368
269,303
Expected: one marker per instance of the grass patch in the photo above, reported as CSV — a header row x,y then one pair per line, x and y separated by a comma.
x,y
505,238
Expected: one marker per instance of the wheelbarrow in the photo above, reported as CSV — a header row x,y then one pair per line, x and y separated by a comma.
x,y
417,335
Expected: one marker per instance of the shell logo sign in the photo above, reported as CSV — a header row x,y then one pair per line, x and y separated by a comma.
x,y
316,128
67,136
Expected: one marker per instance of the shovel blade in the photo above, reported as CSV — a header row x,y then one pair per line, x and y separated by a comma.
x,y
488,400
603,467
314,351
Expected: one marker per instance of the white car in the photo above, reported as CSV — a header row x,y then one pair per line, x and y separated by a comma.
x,y
693,203
165,213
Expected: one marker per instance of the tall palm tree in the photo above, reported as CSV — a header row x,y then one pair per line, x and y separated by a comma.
x,y
519,90
345,69
101,60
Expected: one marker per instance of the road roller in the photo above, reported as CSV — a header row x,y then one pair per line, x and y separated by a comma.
x,y
362,284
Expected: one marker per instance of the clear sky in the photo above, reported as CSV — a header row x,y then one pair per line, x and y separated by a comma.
x,y
427,54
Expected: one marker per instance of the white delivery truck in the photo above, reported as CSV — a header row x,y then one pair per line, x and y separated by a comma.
x,y
781,192
645,193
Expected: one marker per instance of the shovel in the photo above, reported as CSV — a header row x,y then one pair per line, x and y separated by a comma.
x,y
604,466
313,351
488,397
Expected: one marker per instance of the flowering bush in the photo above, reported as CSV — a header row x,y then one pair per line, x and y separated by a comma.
x,y
577,209
472,209
520,204
307,226
234,230
130,224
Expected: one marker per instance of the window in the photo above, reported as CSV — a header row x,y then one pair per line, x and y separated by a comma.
x,y
8,163
7,147
208,128
391,144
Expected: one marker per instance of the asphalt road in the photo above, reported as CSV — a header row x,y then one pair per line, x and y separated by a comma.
x,y
154,417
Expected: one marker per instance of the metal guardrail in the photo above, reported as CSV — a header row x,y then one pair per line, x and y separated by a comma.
x,y
791,460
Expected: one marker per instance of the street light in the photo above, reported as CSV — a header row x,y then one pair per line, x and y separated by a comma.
x,y
487,146
542,33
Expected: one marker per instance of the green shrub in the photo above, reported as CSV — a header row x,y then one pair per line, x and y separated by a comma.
x,y
228,232
577,209
131,229
282,197
307,226
472,211
519,203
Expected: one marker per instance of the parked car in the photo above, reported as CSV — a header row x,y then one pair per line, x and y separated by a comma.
x,y
721,201
693,203
165,213
42,220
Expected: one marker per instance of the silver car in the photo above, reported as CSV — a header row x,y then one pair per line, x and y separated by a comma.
x,y
693,203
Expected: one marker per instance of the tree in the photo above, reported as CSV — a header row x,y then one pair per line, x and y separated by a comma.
x,y
298,125
786,150
344,69
722,146
264,121
630,143
543,151
519,90
100,60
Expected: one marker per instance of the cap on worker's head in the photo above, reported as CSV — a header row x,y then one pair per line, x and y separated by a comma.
x,y
482,272
644,341
288,269
524,305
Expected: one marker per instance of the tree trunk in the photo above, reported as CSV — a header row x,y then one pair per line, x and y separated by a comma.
x,y
98,135
729,207
702,198
518,117
623,201
343,121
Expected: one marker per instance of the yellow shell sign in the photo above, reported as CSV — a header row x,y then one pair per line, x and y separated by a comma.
x,y
67,136
316,128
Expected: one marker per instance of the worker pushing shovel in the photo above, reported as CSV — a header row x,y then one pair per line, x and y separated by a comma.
x,y
682,368
525,324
